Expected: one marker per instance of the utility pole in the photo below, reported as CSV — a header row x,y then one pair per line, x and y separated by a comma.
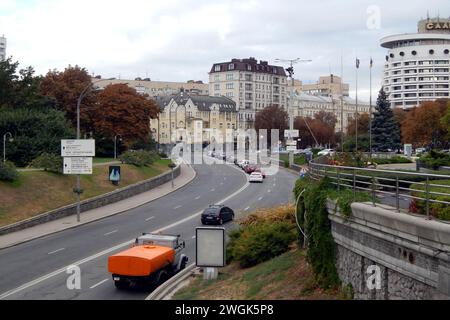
x,y
290,71
342,105
356,111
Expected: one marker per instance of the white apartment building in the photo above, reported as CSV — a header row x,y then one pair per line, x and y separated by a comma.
x,y
417,64
251,85
306,105
2,48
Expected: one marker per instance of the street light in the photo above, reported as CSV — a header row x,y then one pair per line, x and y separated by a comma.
x,y
83,94
115,145
4,144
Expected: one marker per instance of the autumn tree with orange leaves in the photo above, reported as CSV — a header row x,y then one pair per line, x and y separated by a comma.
x,y
65,87
423,126
317,131
122,111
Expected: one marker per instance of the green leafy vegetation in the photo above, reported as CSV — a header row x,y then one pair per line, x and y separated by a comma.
x,y
49,162
139,158
435,159
436,209
8,172
392,160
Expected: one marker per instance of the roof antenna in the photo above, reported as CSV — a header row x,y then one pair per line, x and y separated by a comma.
x,y
428,15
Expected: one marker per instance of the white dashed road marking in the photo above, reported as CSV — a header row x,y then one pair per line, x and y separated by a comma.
x,y
96,285
177,207
151,218
59,250
110,233
197,198
246,209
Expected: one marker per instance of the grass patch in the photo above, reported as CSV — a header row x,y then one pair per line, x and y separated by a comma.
x,y
104,160
37,192
298,159
286,277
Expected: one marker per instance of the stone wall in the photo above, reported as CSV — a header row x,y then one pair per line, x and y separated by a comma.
x,y
411,253
93,203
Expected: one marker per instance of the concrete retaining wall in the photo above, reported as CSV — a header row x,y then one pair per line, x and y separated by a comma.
x,y
93,203
412,253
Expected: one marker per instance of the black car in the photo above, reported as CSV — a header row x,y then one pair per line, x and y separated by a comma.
x,y
217,214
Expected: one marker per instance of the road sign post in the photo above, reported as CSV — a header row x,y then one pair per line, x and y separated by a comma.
x,y
78,160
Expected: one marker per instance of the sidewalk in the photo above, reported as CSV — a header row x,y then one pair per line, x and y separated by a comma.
x,y
186,176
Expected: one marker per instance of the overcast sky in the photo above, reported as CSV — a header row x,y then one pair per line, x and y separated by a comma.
x,y
179,40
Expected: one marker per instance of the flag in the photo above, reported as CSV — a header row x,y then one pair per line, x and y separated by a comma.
x,y
357,63
371,62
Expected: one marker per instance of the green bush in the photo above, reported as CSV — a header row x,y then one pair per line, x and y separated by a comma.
x,y
441,210
8,172
395,159
434,159
438,210
49,162
139,158
256,243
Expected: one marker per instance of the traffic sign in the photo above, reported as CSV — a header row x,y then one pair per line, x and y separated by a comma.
x,y
291,148
291,143
78,165
78,148
291,134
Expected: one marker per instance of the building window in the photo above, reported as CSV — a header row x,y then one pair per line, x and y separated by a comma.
x,y
229,76
217,68
431,51
217,86
248,77
231,66
230,86
249,67
446,51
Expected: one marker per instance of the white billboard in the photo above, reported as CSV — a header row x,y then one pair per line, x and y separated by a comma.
x,y
78,148
78,165
210,244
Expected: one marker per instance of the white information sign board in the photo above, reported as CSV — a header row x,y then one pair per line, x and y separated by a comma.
x,y
78,165
78,148
291,134
210,244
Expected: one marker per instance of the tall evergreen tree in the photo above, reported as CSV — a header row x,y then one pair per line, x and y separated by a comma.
x,y
385,128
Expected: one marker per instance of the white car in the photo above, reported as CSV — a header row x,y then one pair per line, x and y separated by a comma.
x,y
243,163
326,152
256,177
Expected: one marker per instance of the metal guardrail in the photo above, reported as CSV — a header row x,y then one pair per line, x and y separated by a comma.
x,y
387,183
171,284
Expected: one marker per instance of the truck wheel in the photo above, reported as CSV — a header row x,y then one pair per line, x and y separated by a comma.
x,y
183,264
162,276
121,285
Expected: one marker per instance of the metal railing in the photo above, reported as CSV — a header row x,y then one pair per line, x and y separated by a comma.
x,y
393,187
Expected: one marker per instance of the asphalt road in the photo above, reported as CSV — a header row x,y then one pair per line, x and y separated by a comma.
x,y
37,269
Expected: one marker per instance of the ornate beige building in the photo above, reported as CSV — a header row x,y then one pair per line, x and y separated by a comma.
x,y
306,105
2,48
184,111
159,88
251,85
330,86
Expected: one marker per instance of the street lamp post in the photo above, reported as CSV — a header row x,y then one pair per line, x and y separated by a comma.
x,y
83,94
4,144
115,145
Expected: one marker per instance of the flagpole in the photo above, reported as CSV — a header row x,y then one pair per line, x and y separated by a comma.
x,y
356,111
370,108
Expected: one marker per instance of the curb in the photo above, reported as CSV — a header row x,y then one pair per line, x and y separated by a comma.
x,y
99,218
170,285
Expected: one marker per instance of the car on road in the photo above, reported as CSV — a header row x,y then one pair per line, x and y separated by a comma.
x,y
217,214
326,152
420,150
256,177
243,163
250,168
260,171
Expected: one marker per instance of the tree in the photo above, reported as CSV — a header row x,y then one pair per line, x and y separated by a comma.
x,y
65,87
272,117
122,111
423,126
32,118
320,130
363,125
385,129
446,121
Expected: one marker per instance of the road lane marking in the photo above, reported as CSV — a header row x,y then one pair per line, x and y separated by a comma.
x,y
97,284
221,183
269,191
246,209
110,233
212,190
197,198
177,207
53,252
107,251
260,198
194,237
151,218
